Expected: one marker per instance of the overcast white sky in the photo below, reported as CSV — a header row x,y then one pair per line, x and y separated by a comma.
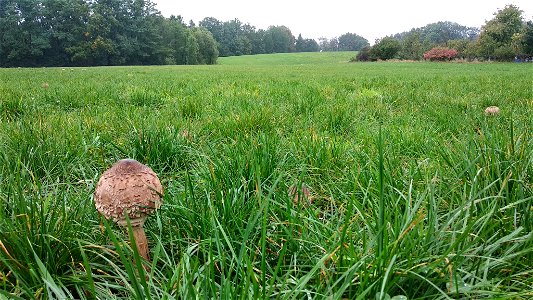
x,y
331,18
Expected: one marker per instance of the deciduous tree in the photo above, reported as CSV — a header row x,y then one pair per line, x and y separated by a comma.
x,y
351,42
282,39
385,48
495,39
526,42
24,37
306,45
207,48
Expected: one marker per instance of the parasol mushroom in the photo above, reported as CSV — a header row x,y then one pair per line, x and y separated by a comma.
x,y
302,195
129,189
492,110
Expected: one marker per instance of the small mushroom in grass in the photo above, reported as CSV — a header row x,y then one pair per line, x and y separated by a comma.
x,y
302,195
492,110
129,189
186,134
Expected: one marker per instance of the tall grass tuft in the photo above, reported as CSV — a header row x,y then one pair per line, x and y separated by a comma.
x,y
163,149
12,107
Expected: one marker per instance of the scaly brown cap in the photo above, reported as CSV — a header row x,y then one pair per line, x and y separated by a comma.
x,y
128,188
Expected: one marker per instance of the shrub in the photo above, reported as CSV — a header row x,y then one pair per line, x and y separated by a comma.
x,y
440,54
363,55
386,48
504,53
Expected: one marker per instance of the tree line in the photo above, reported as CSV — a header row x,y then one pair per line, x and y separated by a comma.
x,y
133,32
236,38
506,37
97,32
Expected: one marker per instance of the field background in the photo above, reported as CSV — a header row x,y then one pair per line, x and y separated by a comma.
x,y
415,192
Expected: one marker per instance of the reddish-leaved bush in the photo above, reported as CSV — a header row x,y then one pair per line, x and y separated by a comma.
x,y
440,54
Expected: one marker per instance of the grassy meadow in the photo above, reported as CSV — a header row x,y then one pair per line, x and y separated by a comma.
x,y
415,193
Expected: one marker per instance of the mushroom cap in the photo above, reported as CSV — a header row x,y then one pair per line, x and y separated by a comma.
x,y
128,188
299,195
492,110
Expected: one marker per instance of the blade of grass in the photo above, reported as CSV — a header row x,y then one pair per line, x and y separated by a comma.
x,y
88,270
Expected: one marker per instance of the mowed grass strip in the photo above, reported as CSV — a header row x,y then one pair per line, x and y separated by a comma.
x,y
232,142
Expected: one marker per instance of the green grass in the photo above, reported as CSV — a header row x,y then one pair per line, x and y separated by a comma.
x,y
286,59
437,206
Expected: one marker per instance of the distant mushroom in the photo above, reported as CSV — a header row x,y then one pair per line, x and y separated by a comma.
x,y
302,195
492,110
130,189
185,134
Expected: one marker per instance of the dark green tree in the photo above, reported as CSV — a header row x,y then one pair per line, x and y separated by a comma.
x,y
419,40
66,22
496,38
213,25
233,37
24,36
207,47
305,45
174,33
95,46
268,41
253,43
412,47
526,42
352,42
385,48
364,55
99,32
440,33
106,36
192,49
311,45
139,37
282,39
299,44
257,39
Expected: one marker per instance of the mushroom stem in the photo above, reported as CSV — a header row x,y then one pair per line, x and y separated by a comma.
x,y
141,242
